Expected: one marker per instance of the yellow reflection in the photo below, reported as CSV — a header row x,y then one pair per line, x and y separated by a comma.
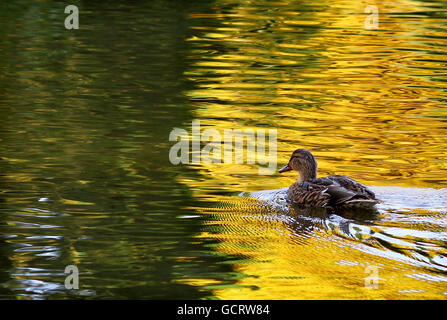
x,y
287,261
363,101
368,103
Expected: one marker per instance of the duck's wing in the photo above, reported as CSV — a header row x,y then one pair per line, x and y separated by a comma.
x,y
329,191
345,191
338,193
309,194
350,184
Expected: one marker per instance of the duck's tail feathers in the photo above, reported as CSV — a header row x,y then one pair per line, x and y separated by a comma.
x,y
361,203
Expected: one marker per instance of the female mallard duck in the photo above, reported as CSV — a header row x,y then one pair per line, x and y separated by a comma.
x,y
331,192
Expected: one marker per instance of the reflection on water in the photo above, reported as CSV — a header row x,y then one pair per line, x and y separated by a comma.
x,y
314,253
85,177
369,104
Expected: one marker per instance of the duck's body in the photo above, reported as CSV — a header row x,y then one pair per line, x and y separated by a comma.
x,y
333,191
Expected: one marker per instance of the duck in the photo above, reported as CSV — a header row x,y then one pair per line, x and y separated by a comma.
x,y
332,192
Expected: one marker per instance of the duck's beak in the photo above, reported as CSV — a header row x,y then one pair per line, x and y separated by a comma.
x,y
285,168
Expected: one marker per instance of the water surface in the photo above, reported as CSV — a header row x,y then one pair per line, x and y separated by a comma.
x,y
85,175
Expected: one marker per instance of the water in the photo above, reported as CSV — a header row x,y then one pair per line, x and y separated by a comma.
x,y
85,177
404,233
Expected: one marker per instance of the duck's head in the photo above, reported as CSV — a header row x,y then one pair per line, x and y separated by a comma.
x,y
304,162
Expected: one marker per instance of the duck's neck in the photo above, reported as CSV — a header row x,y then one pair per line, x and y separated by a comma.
x,y
307,173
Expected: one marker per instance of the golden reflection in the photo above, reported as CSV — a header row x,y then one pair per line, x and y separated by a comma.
x,y
368,103
359,99
284,260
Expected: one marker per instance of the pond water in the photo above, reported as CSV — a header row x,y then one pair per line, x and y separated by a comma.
x,y
86,178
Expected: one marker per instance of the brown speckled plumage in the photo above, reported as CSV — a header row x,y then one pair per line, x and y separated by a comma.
x,y
332,191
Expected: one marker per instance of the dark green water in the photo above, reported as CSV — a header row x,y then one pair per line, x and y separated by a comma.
x,y
85,117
